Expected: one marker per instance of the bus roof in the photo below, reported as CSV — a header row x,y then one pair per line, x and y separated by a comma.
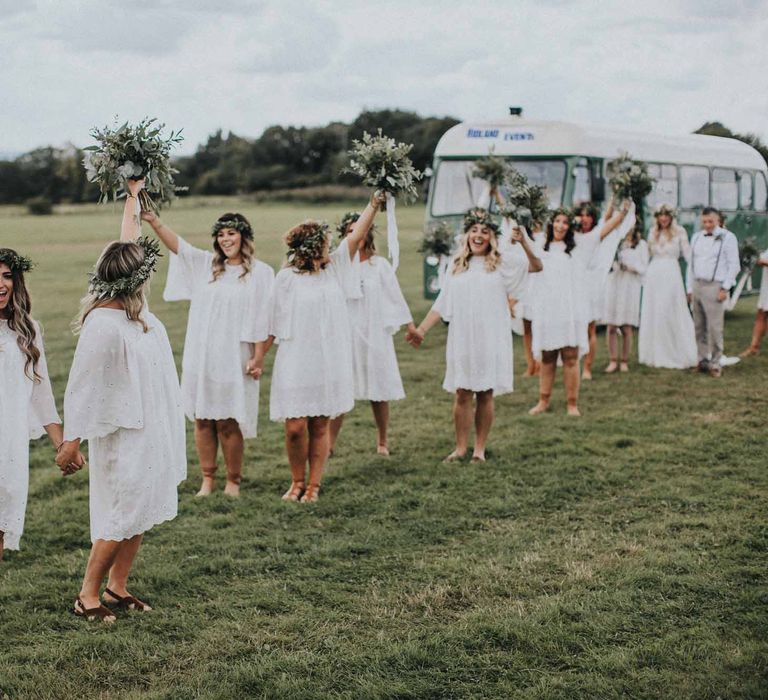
x,y
516,136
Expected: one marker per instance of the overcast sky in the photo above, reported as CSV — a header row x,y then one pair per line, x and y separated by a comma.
x,y
240,65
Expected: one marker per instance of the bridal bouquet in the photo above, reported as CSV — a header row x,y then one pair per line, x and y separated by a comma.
x,y
437,240
383,163
526,203
630,179
749,253
133,152
493,169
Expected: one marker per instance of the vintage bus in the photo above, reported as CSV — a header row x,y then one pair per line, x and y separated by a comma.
x,y
691,171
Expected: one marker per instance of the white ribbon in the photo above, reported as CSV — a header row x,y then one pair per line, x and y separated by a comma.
x,y
484,200
731,302
392,243
506,229
442,269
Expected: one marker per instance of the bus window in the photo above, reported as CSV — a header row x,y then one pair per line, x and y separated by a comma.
x,y
665,188
745,189
725,188
694,186
582,191
760,192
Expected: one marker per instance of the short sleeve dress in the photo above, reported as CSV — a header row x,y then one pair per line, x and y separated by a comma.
x,y
225,316
26,406
312,374
123,397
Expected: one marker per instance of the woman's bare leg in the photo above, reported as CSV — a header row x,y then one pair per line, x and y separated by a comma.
x,y
232,449
613,349
207,444
589,358
758,331
100,560
626,346
571,378
462,422
532,367
122,565
297,447
547,371
484,413
381,416
336,424
318,451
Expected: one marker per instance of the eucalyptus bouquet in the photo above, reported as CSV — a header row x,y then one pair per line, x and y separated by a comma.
x,y
495,170
134,152
630,179
437,240
526,203
749,253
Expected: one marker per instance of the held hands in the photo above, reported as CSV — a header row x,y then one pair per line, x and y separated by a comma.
x,y
69,458
255,367
414,336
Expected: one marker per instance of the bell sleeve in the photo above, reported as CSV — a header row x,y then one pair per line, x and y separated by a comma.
x,y
256,316
281,305
444,303
42,406
187,270
347,271
394,309
514,271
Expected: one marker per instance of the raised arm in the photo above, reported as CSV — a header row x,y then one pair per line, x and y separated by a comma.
x,y
168,237
130,228
520,236
363,224
613,220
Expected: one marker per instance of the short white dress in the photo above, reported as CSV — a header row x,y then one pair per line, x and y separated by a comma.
x,y
376,316
478,354
312,374
762,301
226,316
26,406
123,397
524,306
624,286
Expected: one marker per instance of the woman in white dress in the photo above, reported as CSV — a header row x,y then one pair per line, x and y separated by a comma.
x,y
312,379
477,299
622,298
375,316
230,290
667,336
123,397
761,319
561,306
27,408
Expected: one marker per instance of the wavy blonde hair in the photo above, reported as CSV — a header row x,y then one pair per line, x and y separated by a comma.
x,y
461,259
118,260
18,315
246,245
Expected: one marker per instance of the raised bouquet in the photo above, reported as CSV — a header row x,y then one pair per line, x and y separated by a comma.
x,y
495,170
437,240
134,152
383,163
630,179
526,203
749,253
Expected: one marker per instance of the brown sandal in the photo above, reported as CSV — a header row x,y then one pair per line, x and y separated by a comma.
x,y
100,613
126,602
294,493
311,494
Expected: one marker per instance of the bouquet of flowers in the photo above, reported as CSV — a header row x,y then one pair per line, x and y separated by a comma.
x,y
526,203
437,240
133,152
630,179
495,170
383,163
749,253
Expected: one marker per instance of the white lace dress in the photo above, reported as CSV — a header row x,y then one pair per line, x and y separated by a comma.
x,y
25,408
123,397
667,336
376,316
312,374
226,316
762,301
624,286
478,354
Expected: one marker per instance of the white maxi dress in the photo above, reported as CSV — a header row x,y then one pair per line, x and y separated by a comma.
x,y
624,286
376,315
478,354
667,337
123,397
25,408
226,316
309,319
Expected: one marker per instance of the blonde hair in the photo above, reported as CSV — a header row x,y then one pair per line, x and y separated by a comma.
x,y
239,223
120,259
461,259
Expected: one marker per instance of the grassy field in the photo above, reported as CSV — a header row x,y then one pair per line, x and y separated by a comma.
x,y
622,554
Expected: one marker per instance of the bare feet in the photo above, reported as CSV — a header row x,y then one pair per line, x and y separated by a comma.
x,y
232,489
586,375
455,456
539,408
293,493
612,367
624,367
382,450
206,488
573,410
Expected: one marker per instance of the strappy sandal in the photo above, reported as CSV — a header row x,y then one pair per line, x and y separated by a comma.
x,y
126,602
294,493
100,613
311,494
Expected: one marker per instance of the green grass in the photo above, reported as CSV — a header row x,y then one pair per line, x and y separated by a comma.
x,y
619,555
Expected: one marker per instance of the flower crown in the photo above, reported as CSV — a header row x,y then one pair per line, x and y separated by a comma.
x,y
562,211
350,218
665,209
478,215
243,227
125,286
16,262
312,244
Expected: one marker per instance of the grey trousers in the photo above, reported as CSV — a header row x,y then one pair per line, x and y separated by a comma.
x,y
709,318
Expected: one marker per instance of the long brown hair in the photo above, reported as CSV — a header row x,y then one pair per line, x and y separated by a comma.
x,y
18,315
118,260
246,245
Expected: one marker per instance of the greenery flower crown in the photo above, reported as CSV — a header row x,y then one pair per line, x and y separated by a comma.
x,y
665,209
311,246
478,215
565,212
349,218
16,262
241,226
126,286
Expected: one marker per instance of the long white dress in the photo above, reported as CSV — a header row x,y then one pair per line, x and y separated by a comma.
x,y
309,319
375,317
25,408
123,397
624,286
667,337
225,316
762,301
478,354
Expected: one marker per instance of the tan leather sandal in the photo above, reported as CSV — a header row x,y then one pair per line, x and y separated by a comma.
x,y
294,492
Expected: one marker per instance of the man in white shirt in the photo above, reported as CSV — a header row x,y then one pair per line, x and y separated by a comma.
x,y
711,274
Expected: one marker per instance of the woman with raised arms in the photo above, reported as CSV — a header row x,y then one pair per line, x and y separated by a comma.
x,y
27,408
312,379
477,299
123,397
376,315
230,290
